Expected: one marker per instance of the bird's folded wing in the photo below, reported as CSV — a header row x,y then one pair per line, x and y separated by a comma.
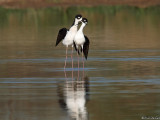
x,y
86,47
61,35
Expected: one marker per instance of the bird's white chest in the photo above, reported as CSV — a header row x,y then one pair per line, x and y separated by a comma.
x,y
79,38
69,37
68,40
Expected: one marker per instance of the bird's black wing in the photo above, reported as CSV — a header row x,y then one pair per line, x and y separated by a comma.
x,y
86,47
61,35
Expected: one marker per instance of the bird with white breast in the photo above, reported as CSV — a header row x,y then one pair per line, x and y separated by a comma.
x,y
81,42
67,36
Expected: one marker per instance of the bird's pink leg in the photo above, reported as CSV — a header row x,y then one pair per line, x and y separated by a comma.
x,y
65,62
83,64
72,61
78,64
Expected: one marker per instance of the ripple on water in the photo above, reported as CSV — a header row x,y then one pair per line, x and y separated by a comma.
x,y
155,59
42,60
29,82
74,69
138,85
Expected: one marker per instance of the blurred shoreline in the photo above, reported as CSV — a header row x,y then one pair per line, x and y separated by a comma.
x,y
20,4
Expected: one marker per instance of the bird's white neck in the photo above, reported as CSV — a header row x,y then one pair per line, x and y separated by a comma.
x,y
81,28
74,26
75,22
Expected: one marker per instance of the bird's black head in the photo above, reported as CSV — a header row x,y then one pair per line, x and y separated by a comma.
x,y
84,20
79,16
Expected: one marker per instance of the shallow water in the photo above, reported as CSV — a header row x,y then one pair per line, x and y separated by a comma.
x,y
121,78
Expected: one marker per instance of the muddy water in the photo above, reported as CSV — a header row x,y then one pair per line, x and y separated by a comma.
x,y
121,78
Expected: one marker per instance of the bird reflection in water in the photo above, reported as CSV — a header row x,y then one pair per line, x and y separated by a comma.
x,y
73,96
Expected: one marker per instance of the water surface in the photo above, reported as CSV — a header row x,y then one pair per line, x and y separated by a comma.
x,y
121,78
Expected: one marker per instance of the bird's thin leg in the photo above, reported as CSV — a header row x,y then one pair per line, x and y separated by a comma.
x,y
78,63
83,64
65,62
65,74
66,58
72,61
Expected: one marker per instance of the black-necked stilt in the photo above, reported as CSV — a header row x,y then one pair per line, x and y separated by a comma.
x,y
81,40
67,36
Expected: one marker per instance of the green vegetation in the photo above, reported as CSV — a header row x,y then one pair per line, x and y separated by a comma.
x,y
60,15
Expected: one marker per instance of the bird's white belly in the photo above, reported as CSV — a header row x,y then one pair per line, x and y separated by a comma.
x,y
68,40
79,39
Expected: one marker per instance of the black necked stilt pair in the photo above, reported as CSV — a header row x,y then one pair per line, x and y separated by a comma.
x,y
76,38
